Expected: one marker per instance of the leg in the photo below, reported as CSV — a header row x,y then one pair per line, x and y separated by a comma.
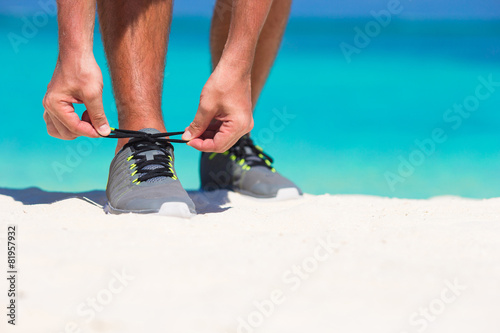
x,y
267,47
251,171
135,36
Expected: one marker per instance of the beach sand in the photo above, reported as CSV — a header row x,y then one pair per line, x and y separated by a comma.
x,y
328,263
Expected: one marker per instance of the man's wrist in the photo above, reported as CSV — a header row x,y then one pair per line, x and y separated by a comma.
x,y
238,60
236,68
75,54
76,44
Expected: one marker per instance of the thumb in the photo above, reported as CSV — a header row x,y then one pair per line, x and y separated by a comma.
x,y
97,116
199,124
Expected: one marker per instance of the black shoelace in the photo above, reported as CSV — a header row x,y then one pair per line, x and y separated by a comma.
x,y
252,154
160,165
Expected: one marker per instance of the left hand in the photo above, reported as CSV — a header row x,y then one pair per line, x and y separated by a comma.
x,y
224,113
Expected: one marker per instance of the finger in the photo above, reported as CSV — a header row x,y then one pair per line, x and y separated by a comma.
x,y
97,116
59,109
51,128
204,145
200,123
224,139
217,144
64,132
67,116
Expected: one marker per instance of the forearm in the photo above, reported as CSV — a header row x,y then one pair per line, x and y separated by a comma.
x,y
76,19
248,18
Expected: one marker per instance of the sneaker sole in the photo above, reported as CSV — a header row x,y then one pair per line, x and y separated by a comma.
x,y
289,193
177,209
173,209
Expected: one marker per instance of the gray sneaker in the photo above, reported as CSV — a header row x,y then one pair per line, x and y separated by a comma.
x,y
246,169
142,178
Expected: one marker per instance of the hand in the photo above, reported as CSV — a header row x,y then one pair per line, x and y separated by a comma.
x,y
224,113
76,79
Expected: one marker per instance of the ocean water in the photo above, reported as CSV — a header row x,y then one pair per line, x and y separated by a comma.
x,y
380,124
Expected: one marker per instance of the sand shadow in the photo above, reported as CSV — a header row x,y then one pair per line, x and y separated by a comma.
x,y
205,202
37,196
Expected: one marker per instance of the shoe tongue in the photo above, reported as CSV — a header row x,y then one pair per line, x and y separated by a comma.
x,y
254,160
150,156
149,130
250,154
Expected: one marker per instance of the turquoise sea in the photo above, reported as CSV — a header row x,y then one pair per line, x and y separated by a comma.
x,y
382,124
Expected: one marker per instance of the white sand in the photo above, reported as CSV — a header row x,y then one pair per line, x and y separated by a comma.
x,y
389,259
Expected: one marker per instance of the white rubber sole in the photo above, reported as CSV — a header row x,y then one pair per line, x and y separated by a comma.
x,y
287,194
283,194
176,209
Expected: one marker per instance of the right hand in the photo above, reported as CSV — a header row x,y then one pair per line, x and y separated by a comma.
x,y
75,80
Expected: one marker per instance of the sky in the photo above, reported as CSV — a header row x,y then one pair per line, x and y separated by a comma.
x,y
432,9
